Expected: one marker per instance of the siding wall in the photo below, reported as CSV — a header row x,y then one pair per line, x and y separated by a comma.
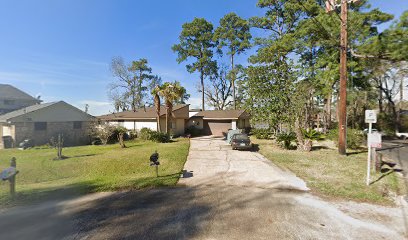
x,y
71,136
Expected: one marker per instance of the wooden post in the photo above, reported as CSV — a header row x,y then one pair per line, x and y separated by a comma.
x,y
157,171
12,179
342,105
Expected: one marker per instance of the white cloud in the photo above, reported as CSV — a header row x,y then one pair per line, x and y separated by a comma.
x,y
96,108
194,102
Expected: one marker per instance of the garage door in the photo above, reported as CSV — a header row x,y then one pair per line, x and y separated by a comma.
x,y
216,127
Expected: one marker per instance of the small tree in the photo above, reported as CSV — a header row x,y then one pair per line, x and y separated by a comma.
x,y
121,133
58,144
103,131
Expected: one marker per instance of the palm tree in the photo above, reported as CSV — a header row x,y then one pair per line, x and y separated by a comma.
x,y
171,92
155,92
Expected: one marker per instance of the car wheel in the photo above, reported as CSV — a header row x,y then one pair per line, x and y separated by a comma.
x,y
403,137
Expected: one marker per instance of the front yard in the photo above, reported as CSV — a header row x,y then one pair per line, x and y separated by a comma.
x,y
90,169
333,176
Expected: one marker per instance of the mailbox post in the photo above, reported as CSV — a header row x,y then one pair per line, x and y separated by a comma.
x,y
10,175
154,161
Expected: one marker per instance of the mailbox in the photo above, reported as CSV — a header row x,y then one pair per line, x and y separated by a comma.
x,y
154,159
8,173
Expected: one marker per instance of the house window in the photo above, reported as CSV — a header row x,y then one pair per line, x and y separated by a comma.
x,y
9,102
40,126
77,125
173,125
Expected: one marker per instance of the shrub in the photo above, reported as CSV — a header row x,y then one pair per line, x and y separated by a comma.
x,y
311,134
262,133
355,137
159,137
285,139
193,131
148,134
145,133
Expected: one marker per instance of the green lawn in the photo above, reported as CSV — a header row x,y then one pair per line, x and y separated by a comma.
x,y
90,169
333,176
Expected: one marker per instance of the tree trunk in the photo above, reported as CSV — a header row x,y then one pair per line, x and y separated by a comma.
x,y
202,89
304,145
328,111
168,116
157,103
233,81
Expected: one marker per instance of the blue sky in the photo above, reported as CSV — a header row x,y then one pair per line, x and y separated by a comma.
x,y
61,49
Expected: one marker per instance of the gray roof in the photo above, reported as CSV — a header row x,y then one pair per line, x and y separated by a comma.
x,y
223,114
9,92
17,113
141,113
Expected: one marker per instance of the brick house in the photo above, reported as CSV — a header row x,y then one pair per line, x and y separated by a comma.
x,y
147,118
41,122
218,122
12,99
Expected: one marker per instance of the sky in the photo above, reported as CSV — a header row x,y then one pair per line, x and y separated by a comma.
x,y
61,50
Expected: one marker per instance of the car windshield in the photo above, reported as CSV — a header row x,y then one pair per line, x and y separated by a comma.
x,y
241,136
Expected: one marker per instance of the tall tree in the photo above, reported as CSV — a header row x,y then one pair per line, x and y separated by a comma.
x,y
218,93
233,33
171,92
196,41
131,85
156,98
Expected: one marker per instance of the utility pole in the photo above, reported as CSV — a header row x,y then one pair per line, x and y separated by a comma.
x,y
342,107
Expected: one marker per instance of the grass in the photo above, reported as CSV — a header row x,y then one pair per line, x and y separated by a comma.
x,y
332,176
91,169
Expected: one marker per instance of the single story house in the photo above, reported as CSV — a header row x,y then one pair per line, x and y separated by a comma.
x,y
147,118
218,122
41,122
12,99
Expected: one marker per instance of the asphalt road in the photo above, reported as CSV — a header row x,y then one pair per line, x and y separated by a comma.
x,y
396,150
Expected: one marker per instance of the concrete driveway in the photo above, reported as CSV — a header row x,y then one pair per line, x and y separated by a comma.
x,y
211,161
224,194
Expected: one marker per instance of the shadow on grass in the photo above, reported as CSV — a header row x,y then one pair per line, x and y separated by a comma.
x,y
386,173
316,148
75,190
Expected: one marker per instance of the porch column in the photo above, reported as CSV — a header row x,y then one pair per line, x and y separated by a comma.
x,y
234,125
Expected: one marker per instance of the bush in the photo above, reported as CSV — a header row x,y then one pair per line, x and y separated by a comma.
x,y
159,137
145,133
355,137
148,134
311,134
262,133
285,139
193,131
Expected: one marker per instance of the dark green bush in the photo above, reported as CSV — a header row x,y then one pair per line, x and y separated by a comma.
x,y
159,137
355,137
285,139
148,134
311,134
261,133
193,131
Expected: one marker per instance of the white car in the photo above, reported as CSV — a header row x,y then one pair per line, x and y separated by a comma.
x,y
403,136
373,130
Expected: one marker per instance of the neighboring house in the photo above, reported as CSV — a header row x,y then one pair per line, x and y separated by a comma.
x,y
41,122
147,118
12,99
218,122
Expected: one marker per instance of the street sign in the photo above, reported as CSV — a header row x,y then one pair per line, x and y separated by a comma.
x,y
374,140
370,116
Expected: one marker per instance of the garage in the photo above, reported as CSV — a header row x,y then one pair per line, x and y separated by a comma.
x,y
218,122
216,127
